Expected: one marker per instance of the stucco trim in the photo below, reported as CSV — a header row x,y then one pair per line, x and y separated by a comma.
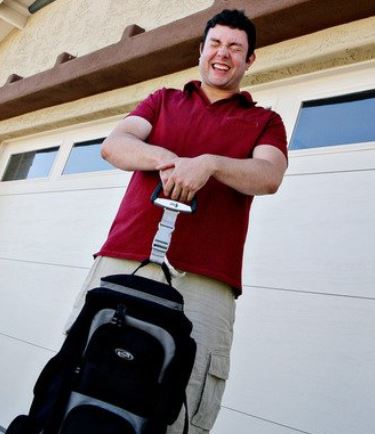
x,y
140,55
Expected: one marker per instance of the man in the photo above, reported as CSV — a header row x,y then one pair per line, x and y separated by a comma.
x,y
212,142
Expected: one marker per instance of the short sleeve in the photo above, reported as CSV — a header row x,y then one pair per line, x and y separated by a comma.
x,y
149,108
274,134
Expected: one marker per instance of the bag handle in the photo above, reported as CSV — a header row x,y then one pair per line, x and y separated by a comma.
x,y
163,266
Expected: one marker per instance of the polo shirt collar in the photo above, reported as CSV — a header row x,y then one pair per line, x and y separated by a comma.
x,y
243,97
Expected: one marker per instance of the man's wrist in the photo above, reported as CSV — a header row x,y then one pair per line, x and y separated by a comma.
x,y
212,163
162,156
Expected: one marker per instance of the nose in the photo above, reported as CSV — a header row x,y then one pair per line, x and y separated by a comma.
x,y
222,51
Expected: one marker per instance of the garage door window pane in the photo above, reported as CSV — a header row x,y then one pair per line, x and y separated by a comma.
x,y
335,121
34,164
85,157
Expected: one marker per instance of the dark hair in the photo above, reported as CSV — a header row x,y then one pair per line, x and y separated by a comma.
x,y
234,19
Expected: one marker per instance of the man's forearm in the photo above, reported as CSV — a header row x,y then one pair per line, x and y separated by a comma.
x,y
128,152
253,176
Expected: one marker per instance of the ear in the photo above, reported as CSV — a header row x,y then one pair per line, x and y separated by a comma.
x,y
200,47
251,60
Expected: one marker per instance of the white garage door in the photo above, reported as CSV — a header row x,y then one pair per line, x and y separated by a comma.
x,y
57,200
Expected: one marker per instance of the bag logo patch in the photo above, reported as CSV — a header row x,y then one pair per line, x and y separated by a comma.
x,y
123,354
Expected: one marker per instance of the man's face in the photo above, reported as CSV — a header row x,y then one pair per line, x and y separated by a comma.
x,y
223,60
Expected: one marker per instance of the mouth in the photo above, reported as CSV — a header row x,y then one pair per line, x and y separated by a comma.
x,y
220,67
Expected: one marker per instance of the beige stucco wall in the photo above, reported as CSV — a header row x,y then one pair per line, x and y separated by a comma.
x,y
342,45
79,28
82,26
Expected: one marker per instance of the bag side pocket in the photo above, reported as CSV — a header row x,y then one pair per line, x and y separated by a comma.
x,y
95,420
212,392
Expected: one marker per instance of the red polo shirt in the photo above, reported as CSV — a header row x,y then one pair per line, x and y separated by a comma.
x,y
211,241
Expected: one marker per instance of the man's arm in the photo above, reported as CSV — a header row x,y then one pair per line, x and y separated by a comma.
x,y
259,175
126,148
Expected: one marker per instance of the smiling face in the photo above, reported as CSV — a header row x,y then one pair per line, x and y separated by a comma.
x,y
223,60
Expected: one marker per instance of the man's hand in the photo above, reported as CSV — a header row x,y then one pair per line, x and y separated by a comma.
x,y
262,174
183,177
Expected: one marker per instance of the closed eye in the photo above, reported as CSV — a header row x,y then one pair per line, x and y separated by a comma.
x,y
214,43
236,47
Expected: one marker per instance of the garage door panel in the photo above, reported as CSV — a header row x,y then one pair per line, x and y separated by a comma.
x,y
245,424
338,158
36,301
18,360
305,361
320,241
57,227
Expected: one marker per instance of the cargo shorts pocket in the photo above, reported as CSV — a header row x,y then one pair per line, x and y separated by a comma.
x,y
212,392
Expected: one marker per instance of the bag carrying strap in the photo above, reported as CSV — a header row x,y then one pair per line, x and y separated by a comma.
x,y
163,236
